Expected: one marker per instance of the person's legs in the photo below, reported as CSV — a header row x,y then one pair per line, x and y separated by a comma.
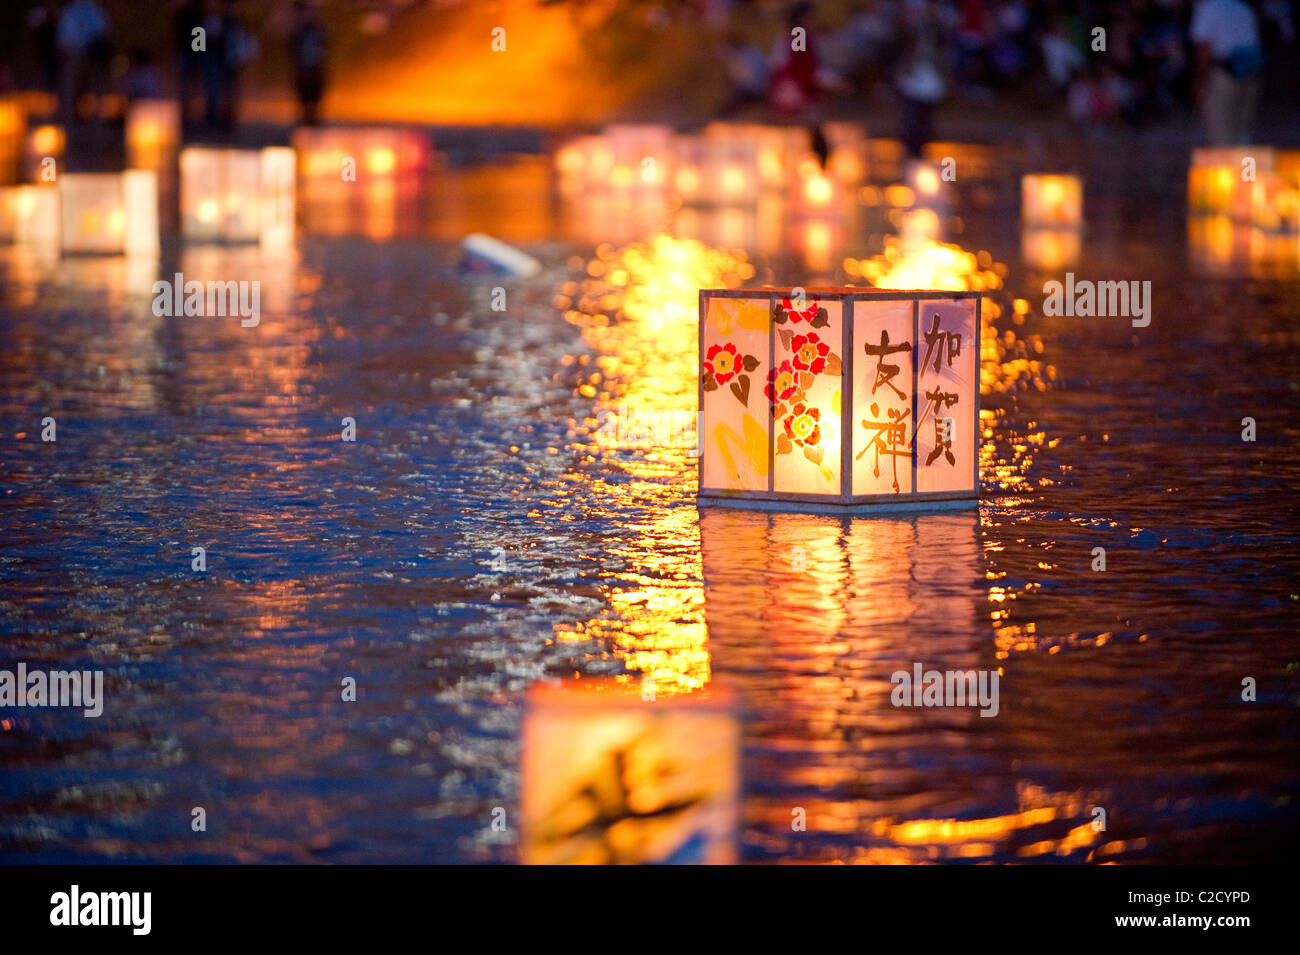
x,y
1243,112
1218,107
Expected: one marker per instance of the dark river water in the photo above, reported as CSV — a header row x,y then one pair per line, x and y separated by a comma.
x,y
481,534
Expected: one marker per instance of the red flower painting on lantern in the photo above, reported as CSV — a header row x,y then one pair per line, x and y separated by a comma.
x,y
724,364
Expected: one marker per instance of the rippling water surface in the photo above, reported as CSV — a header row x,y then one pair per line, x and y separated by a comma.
x,y
484,532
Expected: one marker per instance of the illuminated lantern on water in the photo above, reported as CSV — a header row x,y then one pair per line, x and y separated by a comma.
x,y
1220,181
642,156
13,131
153,133
1050,250
611,774
30,215
713,171
779,148
1051,200
374,152
847,161
110,213
1275,203
840,398
44,142
238,195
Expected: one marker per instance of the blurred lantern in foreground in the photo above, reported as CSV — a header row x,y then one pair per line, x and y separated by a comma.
x,y
30,215
44,142
1050,250
1053,200
1220,181
238,195
614,774
110,213
359,154
153,133
839,398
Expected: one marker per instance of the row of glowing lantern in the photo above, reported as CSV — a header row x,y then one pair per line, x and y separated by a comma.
x,y
229,195
726,164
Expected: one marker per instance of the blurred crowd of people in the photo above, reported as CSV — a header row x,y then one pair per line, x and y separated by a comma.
x,y
211,46
1100,61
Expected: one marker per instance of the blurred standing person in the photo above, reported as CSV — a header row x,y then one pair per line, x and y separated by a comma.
x,y
213,59
82,38
41,21
920,81
187,17
794,88
746,75
1229,61
239,47
309,43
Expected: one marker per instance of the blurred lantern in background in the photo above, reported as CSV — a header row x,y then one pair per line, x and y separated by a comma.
x,y
713,171
153,133
29,215
364,153
841,397
13,132
111,213
847,159
614,773
1050,250
1052,200
928,187
238,195
642,156
44,142
1221,181
779,148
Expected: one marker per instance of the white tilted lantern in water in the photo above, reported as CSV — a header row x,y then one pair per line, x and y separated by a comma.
x,y
1051,200
153,133
238,195
842,398
110,213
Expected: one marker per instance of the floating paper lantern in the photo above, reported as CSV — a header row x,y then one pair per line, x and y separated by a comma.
x,y
838,398
1050,250
1051,200
13,131
847,160
779,148
642,156
375,152
153,133
713,171
615,773
43,142
1220,181
1275,203
238,195
110,213
29,215
929,189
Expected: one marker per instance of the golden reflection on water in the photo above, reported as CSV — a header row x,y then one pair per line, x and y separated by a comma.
x,y
637,310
